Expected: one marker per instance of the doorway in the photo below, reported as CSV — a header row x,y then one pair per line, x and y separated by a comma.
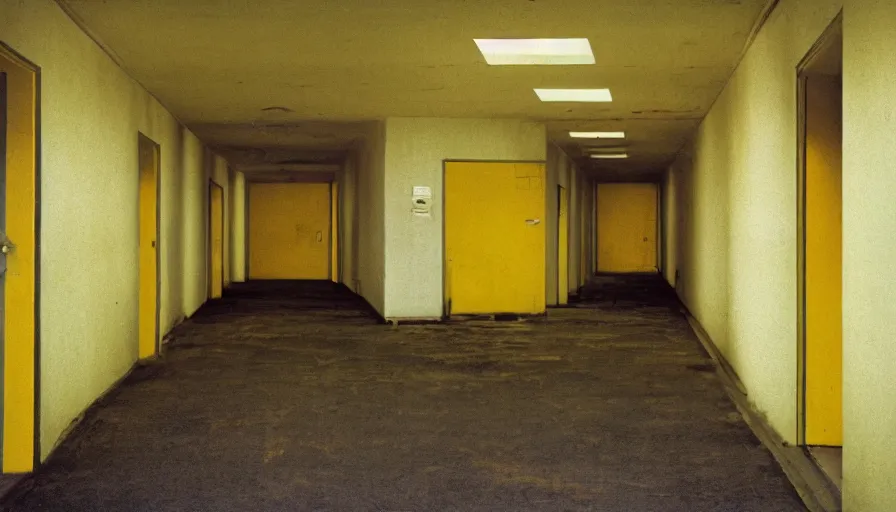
x,y
334,232
215,240
494,238
626,227
562,245
820,259
148,246
289,231
19,257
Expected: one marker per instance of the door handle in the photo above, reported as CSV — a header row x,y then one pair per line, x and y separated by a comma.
x,y
320,236
533,222
6,245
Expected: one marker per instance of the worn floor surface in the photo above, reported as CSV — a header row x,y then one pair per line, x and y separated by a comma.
x,y
290,397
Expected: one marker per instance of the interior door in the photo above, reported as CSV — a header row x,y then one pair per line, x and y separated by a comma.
x,y
289,231
148,247
5,243
216,241
494,237
18,258
626,227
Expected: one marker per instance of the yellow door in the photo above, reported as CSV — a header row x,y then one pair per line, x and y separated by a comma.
x,y
824,269
216,241
626,227
334,232
289,231
562,246
494,238
148,247
18,172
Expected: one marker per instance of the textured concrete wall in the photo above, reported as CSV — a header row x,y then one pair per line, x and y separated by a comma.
x,y
736,203
415,150
238,228
869,250
91,112
372,222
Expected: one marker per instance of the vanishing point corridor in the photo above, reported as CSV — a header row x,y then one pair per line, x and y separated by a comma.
x,y
290,396
427,255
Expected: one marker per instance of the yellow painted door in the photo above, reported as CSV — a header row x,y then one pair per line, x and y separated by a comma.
x,y
824,269
626,227
562,246
148,247
289,231
216,241
494,237
18,176
334,232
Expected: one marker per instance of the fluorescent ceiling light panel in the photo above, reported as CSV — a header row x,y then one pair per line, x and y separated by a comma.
x,y
597,135
574,95
609,155
509,52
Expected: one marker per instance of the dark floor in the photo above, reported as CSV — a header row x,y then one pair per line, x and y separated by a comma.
x,y
291,397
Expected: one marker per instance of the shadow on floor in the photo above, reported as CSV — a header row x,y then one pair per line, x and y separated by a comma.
x,y
290,396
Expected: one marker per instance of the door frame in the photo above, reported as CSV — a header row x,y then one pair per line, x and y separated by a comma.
x,y
330,233
212,185
157,160
834,29
19,60
446,301
657,228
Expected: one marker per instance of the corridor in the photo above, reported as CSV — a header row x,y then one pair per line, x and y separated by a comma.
x,y
285,396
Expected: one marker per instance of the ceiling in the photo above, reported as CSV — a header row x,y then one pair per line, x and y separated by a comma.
x,y
328,65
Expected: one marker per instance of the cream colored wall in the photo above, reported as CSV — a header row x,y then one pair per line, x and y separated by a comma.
x,y
561,171
736,247
238,228
869,250
220,174
415,150
348,218
670,220
88,301
371,262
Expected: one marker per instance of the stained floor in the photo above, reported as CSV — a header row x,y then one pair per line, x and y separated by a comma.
x,y
285,396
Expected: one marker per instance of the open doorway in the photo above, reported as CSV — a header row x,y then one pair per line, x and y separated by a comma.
x,y
820,258
148,247
19,225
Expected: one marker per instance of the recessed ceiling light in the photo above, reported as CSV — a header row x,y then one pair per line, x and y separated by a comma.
x,y
591,95
499,52
609,155
597,135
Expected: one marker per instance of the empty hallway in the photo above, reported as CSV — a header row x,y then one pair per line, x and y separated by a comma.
x,y
290,396
425,254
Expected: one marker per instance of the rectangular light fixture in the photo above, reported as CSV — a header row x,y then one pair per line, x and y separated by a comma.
x,y
574,95
609,155
509,52
597,135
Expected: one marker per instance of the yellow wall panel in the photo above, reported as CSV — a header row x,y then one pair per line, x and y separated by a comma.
x,y
334,232
494,237
626,227
19,280
289,231
824,269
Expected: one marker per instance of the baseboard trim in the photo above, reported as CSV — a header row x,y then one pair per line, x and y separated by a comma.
x,y
810,482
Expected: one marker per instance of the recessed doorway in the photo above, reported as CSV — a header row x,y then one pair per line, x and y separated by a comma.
x,y
820,259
